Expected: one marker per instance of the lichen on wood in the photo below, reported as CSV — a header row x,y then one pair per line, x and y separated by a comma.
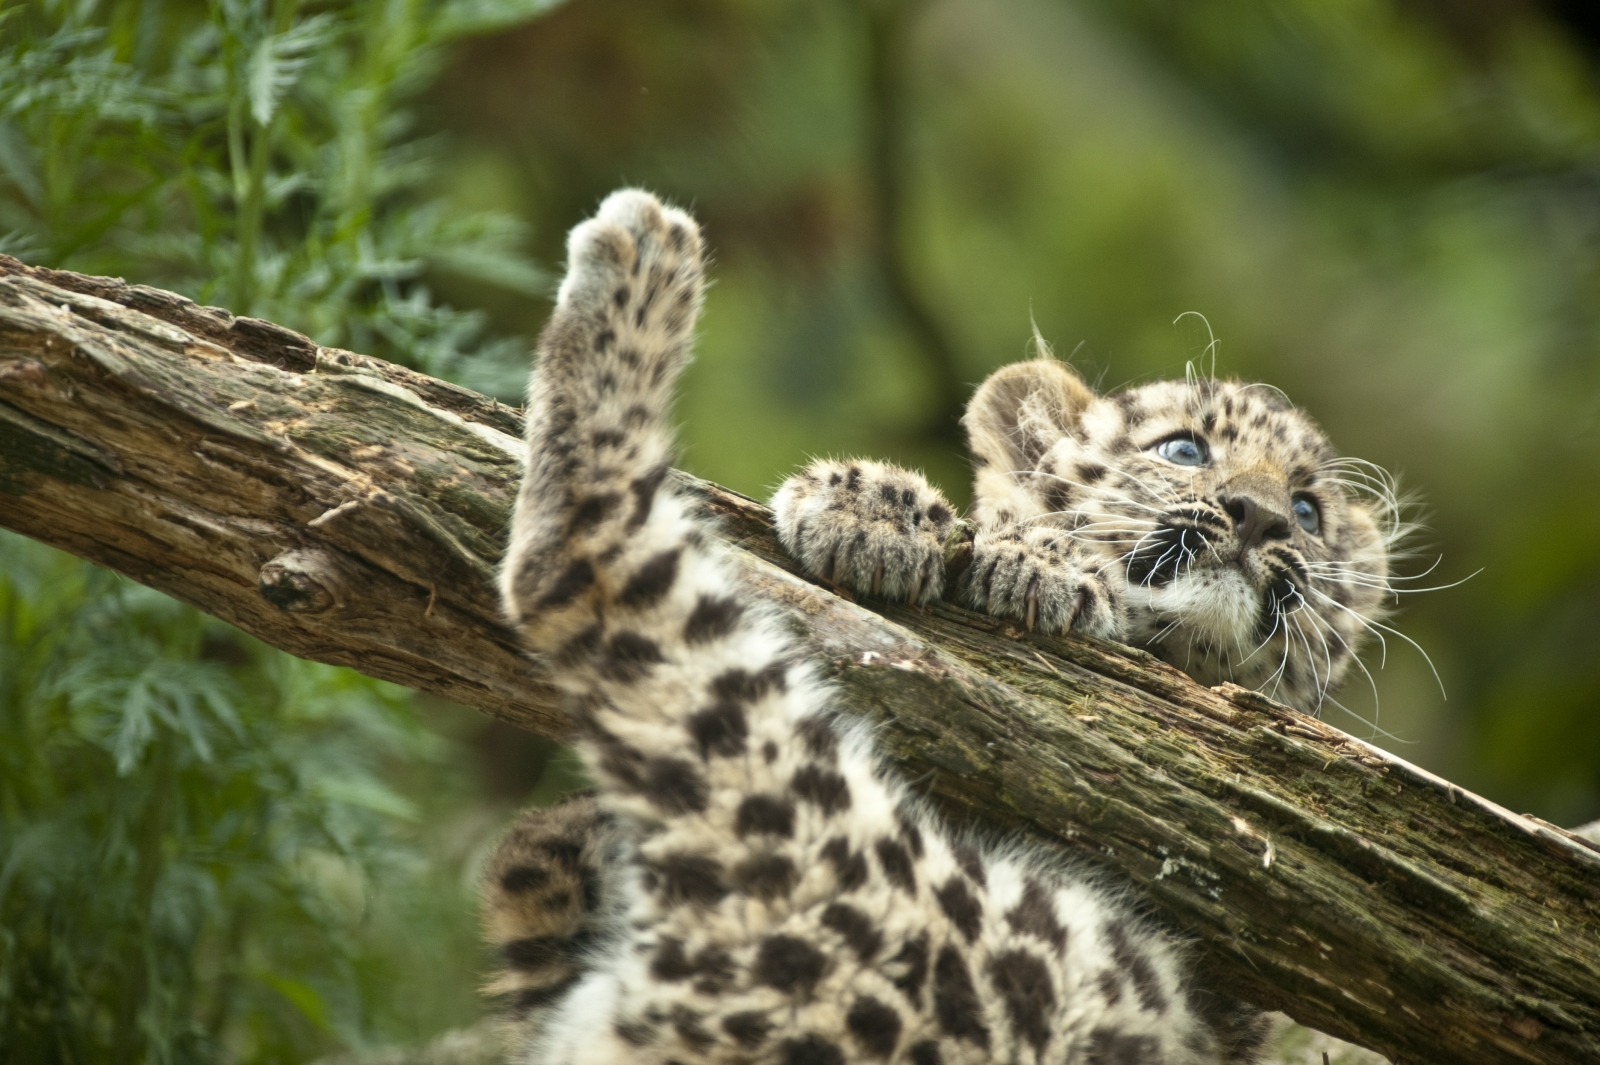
x,y
352,511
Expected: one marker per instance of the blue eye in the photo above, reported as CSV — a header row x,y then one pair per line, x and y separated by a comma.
x,y
1307,514
1184,451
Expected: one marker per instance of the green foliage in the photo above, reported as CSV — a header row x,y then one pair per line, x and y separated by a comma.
x,y
258,155
191,827
207,848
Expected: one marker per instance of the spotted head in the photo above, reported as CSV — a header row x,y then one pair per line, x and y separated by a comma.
x,y
1249,550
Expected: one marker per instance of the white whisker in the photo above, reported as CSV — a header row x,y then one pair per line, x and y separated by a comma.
x,y
1377,730
1374,627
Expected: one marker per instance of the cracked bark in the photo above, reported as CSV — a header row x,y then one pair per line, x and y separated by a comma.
x,y
352,511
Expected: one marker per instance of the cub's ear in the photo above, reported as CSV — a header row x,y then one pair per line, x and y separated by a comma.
x,y
1020,412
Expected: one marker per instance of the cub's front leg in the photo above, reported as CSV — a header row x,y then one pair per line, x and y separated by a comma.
x,y
870,527
881,530
1039,574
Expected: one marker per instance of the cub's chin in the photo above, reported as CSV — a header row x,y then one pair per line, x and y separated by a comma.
x,y
1212,607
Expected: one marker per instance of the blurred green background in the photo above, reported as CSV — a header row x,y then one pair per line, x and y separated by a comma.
x,y
1388,208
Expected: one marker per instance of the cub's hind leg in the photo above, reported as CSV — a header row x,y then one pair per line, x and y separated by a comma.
x,y
598,440
552,905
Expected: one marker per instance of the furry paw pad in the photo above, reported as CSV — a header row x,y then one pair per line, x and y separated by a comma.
x,y
1039,575
870,527
637,259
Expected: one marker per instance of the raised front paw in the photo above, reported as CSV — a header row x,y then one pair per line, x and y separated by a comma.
x,y
1037,574
638,265
867,526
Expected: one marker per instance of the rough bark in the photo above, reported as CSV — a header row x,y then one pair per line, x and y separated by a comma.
x,y
351,511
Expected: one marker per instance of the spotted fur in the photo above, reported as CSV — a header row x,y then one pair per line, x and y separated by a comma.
x,y
783,899
1080,523
552,900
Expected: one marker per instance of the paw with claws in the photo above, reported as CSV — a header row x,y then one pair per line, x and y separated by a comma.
x,y
1037,574
869,527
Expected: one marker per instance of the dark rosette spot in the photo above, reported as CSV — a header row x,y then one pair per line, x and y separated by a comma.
x,y
712,618
654,579
1138,967
629,656
908,969
1107,1046
849,866
573,582
811,1049
955,1001
520,878
635,1032
896,862
1036,915
766,876
719,729
766,814
591,511
909,830
971,863
790,965
533,997
687,1023
644,496
690,878
744,686
674,785
817,735
823,788
858,930
961,906
749,1028
875,1025
1023,983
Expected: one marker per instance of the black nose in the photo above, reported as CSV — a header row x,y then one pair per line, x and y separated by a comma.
x,y
1254,521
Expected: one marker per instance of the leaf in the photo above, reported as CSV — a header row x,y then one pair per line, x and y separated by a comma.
x,y
464,18
277,61
135,730
368,794
302,997
18,162
510,272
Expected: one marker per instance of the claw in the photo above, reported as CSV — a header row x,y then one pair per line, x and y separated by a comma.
x,y
1032,598
1077,607
916,588
877,578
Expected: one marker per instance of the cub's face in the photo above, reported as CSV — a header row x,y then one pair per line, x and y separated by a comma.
x,y
1246,548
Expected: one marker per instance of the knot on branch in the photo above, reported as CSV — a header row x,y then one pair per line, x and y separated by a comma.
x,y
304,581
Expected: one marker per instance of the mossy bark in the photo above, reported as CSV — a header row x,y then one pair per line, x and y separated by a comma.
x,y
352,511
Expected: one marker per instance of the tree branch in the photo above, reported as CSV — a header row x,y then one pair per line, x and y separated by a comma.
x,y
352,511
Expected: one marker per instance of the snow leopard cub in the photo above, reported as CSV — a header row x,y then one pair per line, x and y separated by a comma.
x,y
1208,521
749,883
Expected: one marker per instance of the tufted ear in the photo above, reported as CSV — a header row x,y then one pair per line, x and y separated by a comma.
x,y
1020,412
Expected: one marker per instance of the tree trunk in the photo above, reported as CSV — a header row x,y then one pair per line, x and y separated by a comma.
x,y
351,511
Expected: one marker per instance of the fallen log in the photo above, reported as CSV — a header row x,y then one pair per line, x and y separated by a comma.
x,y
351,511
